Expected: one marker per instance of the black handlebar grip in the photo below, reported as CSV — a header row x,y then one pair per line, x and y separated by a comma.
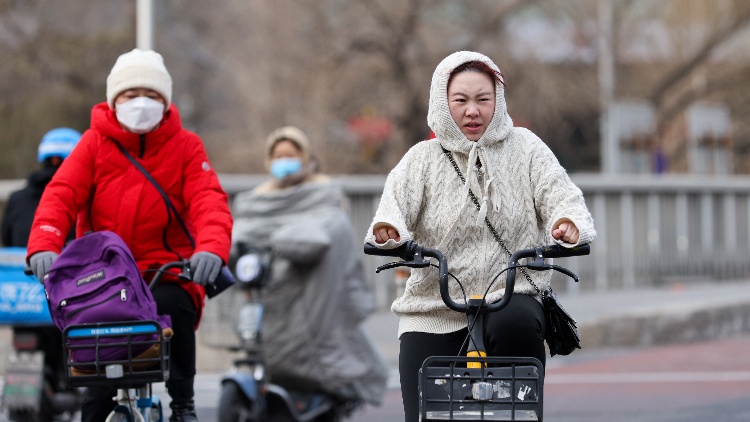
x,y
372,250
557,251
405,251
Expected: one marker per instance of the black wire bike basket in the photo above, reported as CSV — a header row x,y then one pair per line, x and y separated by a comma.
x,y
501,389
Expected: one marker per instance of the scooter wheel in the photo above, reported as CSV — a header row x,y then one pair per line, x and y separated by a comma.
x,y
234,406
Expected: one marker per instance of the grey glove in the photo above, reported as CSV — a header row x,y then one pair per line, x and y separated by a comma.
x,y
205,266
40,263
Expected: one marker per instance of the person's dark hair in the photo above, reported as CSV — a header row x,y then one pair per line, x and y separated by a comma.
x,y
481,67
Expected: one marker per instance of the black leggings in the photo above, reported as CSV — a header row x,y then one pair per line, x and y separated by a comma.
x,y
517,330
170,299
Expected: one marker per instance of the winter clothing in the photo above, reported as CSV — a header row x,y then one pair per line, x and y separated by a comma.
x,y
100,187
522,188
20,208
317,297
523,191
16,225
139,69
106,192
204,267
41,262
21,205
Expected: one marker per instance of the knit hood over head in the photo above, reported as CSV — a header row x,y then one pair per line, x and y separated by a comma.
x,y
449,135
439,116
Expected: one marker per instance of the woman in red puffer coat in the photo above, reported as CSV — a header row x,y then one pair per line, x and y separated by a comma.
x,y
100,189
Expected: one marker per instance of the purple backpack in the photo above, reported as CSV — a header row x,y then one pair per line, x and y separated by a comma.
x,y
96,279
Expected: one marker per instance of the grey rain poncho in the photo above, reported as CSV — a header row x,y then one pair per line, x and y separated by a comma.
x,y
317,297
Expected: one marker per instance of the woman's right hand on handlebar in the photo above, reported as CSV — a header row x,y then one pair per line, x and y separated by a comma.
x,y
384,232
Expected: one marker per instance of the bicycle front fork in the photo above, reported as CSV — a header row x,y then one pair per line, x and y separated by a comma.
x,y
135,405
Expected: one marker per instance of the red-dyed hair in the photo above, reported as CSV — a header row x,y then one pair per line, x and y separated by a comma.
x,y
481,67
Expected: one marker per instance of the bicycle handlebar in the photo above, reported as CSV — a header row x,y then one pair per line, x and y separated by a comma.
x,y
184,265
184,274
413,253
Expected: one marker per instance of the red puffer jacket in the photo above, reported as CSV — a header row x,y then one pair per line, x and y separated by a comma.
x,y
105,191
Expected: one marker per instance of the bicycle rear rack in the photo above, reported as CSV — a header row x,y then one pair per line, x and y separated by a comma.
x,y
130,369
502,389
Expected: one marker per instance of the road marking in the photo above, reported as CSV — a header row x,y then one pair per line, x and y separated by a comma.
x,y
647,377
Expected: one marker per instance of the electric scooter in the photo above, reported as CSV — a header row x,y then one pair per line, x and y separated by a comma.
x,y
34,388
248,392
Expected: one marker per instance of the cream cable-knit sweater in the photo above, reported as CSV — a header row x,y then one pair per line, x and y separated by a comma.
x,y
425,201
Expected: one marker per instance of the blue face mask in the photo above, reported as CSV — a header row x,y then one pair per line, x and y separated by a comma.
x,y
283,167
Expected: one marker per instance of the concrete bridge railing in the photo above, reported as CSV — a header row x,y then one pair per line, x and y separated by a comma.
x,y
651,229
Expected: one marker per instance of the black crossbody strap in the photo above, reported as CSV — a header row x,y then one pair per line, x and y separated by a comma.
x,y
494,232
163,194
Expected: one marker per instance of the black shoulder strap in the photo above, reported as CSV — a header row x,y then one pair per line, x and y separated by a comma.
x,y
163,194
494,232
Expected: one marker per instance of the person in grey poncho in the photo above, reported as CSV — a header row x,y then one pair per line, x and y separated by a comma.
x,y
317,297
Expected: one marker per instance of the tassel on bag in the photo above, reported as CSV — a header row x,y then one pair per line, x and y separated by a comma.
x,y
562,333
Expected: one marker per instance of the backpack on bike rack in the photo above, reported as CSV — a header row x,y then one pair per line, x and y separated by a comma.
x,y
95,280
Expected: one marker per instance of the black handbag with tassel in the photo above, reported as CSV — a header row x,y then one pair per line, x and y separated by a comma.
x,y
562,333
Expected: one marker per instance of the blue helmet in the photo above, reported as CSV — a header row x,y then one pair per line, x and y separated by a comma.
x,y
58,143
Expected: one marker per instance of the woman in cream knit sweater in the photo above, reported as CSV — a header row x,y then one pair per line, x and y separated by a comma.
x,y
521,188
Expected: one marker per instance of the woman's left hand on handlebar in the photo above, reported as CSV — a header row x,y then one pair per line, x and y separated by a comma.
x,y
384,232
205,267
566,231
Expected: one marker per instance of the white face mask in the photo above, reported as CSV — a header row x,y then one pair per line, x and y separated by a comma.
x,y
140,115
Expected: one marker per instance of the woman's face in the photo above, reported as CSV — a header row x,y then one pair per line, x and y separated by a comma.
x,y
471,99
138,92
285,149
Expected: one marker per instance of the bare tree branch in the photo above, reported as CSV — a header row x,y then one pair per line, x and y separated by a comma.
x,y
684,69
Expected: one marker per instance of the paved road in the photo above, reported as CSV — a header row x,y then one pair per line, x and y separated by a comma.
x,y
703,375
678,383
682,383
691,382
686,383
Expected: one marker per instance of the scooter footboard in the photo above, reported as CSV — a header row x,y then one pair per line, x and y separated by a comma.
x,y
501,389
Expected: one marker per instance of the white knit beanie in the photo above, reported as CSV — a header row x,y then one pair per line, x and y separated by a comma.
x,y
139,69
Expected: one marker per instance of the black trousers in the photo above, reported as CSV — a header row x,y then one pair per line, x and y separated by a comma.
x,y
170,299
516,330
